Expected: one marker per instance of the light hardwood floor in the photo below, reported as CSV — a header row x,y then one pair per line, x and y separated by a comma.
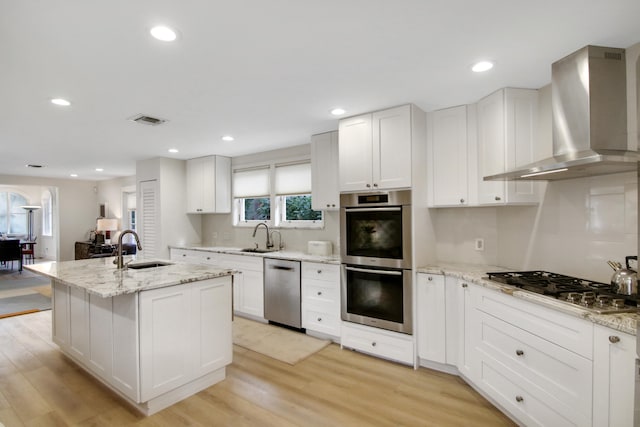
x,y
41,387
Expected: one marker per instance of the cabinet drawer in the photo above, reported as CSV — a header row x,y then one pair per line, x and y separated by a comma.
x,y
378,342
320,321
198,257
557,376
241,262
526,407
562,329
319,271
316,292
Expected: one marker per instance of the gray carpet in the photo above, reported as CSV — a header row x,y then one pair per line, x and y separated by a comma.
x,y
24,303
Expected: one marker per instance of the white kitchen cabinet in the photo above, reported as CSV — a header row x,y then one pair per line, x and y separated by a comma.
x,y
450,150
507,123
154,347
193,256
209,185
325,190
535,362
375,149
613,377
320,290
378,342
430,314
248,284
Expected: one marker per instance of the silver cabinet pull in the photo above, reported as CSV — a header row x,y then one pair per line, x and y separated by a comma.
x,y
464,285
319,319
373,344
519,352
519,398
375,185
319,293
368,185
614,339
461,200
319,271
430,278
498,198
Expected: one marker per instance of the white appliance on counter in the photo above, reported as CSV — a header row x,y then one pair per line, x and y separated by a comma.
x,y
319,247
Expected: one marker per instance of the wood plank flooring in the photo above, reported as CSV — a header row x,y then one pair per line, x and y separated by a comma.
x,y
41,387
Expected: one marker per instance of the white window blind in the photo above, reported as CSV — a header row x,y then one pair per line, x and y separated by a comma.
x,y
149,218
293,179
249,183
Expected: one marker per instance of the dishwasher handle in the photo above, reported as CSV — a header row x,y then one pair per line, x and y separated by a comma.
x,y
281,267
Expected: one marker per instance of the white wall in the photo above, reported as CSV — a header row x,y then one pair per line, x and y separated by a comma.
x,y
77,210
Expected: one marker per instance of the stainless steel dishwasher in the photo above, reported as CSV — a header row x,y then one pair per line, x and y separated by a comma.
x,y
282,292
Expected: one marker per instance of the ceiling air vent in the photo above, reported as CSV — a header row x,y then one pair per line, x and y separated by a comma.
x,y
147,120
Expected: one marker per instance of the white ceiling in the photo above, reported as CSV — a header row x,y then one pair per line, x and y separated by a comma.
x,y
266,72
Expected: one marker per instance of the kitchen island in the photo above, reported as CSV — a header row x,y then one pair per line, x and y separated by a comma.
x,y
153,335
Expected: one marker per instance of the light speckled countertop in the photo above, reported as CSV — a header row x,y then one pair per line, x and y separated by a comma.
x,y
623,322
99,276
292,255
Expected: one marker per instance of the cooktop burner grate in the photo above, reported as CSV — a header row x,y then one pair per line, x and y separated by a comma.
x,y
596,296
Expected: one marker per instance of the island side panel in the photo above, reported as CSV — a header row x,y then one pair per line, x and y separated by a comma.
x,y
126,356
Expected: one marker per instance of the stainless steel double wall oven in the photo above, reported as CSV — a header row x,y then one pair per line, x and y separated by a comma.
x,y
375,252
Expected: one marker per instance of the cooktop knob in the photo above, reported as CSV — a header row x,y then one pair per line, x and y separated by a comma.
x,y
602,300
618,302
573,297
588,298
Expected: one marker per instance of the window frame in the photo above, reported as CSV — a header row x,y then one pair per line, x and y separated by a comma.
x,y
9,232
281,212
47,213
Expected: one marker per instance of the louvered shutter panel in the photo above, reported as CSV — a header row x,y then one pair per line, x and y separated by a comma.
x,y
149,227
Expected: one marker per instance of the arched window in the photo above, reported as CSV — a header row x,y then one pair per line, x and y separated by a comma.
x,y
47,213
13,219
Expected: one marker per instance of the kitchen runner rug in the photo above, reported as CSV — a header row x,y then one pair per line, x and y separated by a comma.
x,y
275,342
22,293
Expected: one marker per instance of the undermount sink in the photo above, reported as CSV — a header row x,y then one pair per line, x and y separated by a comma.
x,y
149,264
256,250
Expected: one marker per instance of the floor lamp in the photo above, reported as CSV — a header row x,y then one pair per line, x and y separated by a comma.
x,y
30,210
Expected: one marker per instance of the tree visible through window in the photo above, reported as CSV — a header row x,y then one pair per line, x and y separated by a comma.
x,y
298,208
257,209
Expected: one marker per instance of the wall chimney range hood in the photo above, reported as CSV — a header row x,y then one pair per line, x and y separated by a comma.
x,y
589,104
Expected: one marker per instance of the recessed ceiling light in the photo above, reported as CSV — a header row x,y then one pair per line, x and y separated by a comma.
x,y
338,111
481,66
60,101
173,150
74,175
99,170
163,33
227,138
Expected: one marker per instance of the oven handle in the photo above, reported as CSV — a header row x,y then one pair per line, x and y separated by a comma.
x,y
391,209
366,270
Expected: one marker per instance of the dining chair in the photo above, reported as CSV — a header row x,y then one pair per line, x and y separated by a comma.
x,y
27,251
10,251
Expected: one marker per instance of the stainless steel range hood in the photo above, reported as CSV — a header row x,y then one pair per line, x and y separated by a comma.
x,y
589,103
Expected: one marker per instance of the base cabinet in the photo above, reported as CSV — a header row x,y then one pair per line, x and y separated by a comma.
x,y
614,361
430,312
248,284
321,298
154,347
378,342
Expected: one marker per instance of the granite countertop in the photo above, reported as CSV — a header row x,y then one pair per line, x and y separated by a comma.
x,y
282,254
623,322
99,276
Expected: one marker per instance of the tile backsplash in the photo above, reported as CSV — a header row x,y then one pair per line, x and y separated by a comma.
x,y
578,226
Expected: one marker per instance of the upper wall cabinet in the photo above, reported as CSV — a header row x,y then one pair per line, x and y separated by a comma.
x,y
325,191
507,124
375,150
209,185
450,157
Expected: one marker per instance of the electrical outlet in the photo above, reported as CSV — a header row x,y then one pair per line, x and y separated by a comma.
x,y
479,246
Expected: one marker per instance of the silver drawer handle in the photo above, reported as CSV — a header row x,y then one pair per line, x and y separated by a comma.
x,y
464,285
319,271
373,344
498,198
319,319
519,398
430,278
319,293
519,352
614,339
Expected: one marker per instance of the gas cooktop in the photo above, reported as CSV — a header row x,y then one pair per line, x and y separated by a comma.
x,y
593,296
